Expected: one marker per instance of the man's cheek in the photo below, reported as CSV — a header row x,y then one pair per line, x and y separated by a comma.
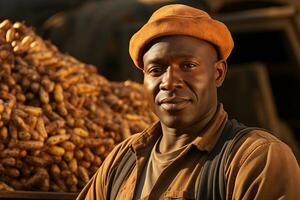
x,y
150,83
151,101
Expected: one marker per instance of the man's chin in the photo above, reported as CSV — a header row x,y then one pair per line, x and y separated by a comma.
x,y
173,122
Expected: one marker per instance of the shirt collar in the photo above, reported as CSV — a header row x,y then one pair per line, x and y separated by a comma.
x,y
208,138
148,138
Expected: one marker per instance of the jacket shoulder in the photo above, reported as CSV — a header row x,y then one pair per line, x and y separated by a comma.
x,y
256,140
258,162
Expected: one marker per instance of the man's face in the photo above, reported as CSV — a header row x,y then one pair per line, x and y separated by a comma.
x,y
180,79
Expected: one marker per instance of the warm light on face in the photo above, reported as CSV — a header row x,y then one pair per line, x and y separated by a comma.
x,y
179,78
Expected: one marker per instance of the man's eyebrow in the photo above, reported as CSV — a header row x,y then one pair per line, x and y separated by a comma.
x,y
154,60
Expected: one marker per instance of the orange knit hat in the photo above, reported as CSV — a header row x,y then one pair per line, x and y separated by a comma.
x,y
177,19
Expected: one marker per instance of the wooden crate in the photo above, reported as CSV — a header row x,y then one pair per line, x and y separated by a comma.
x,y
247,96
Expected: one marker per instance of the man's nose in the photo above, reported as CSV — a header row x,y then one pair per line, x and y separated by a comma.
x,y
171,79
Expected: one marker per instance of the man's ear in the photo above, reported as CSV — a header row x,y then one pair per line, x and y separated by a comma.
x,y
220,72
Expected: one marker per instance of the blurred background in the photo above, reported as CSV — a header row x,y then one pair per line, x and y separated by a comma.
x,y
263,83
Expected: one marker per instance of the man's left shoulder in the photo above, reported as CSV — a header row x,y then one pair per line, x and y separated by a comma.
x,y
259,143
257,163
260,137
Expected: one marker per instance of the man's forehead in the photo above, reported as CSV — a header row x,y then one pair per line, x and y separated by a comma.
x,y
178,45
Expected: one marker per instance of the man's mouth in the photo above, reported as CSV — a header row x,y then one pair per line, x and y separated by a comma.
x,y
174,103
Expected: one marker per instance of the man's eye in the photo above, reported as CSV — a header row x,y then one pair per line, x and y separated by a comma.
x,y
155,70
187,66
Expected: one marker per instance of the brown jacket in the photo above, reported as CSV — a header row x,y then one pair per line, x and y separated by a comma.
x,y
259,167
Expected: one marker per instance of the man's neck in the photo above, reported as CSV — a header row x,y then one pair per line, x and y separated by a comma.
x,y
174,138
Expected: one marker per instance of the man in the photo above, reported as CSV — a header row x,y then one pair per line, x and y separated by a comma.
x,y
194,151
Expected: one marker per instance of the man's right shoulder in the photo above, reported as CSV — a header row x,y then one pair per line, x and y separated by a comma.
x,y
98,185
